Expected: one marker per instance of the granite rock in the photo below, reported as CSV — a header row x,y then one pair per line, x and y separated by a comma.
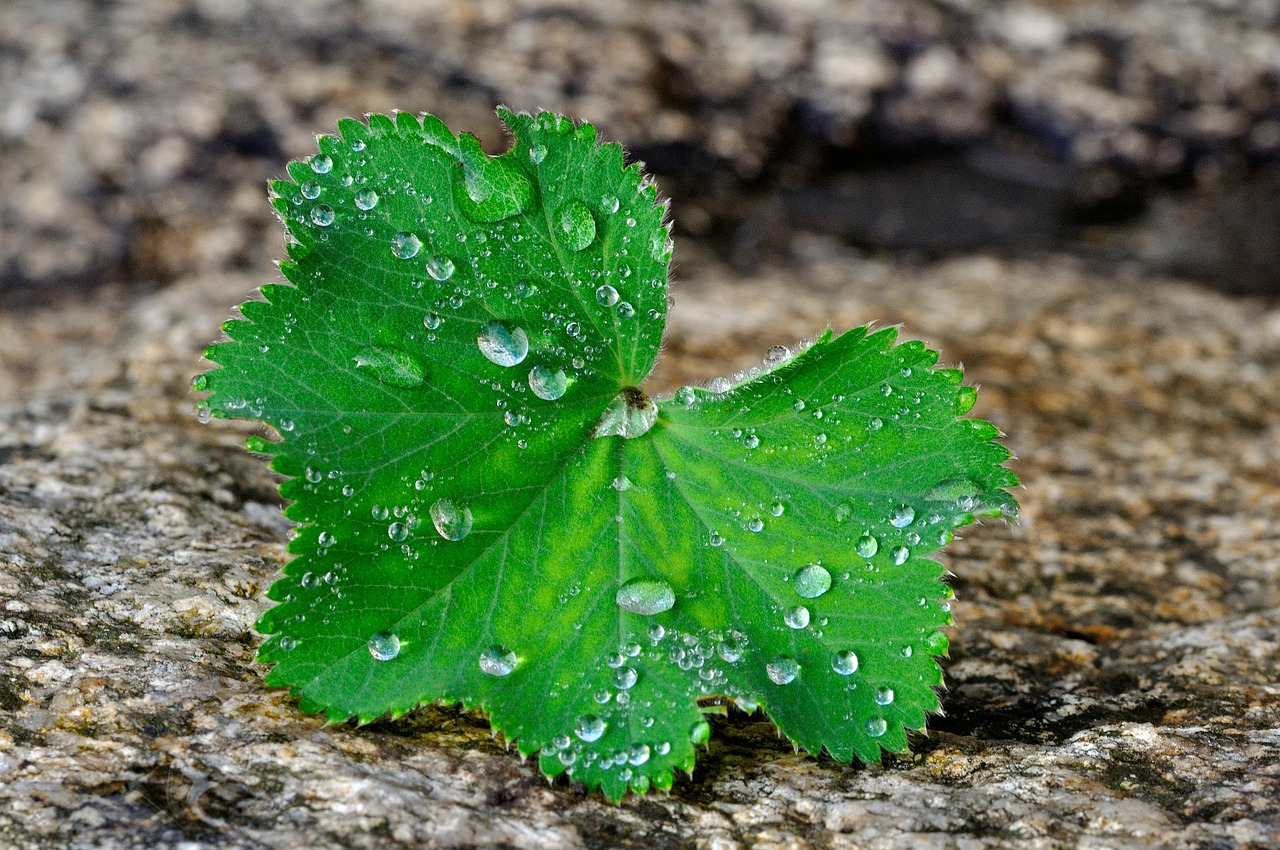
x,y
1113,680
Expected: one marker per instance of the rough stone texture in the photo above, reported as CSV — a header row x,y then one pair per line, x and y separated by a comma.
x,y
1113,678
135,136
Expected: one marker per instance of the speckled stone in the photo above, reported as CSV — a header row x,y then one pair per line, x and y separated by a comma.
x,y
1113,676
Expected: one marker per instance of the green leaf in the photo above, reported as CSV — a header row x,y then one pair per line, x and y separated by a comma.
x,y
493,511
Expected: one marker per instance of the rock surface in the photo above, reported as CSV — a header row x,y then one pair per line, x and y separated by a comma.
x,y
1114,679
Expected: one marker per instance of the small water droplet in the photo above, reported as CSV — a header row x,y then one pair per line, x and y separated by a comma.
x,y
398,532
431,321
797,617
884,696
902,516
497,660
715,539
625,310
876,727
379,512
325,540
577,225
322,215
287,644
937,643
589,728
906,651
537,154
812,581
798,405
776,354
405,245
384,646
845,662
607,295
778,509
503,345
875,424
621,483
547,383
440,268
782,670
366,199
452,521
656,633
866,546
624,678
751,441
720,385
646,596
755,524
609,204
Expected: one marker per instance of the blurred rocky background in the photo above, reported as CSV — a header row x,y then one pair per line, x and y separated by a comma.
x,y
1079,199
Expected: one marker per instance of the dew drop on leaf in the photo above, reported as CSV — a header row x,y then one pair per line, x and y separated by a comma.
x,y
884,696
845,662
366,199
384,646
431,321
503,345
405,245
392,367
782,670
900,554
609,203
638,754
452,521
440,268
322,215
876,727
866,546
321,164
589,728
902,516
606,295
812,581
498,660
547,383
645,596
578,226
686,395
937,643
797,617
398,531
624,678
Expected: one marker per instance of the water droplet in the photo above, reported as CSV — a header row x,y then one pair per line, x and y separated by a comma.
x,y
379,512
255,443
845,662
819,439
547,383
607,295
609,204
715,539
310,190
452,521
876,727
398,531
538,153
309,580
900,554
657,633
502,345
902,516
937,643
497,660
624,678
662,747
812,581
755,524
577,224
396,368
431,321
405,245
778,509
321,164
646,596
797,617
686,395
776,354
440,268
884,696
561,742
782,670
384,646
638,754
720,385
625,310
589,728
700,733
875,424
906,651
366,199
325,540
798,405
751,441
287,644
322,215
621,483
866,546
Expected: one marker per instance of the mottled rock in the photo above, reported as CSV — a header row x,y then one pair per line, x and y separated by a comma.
x,y
1113,677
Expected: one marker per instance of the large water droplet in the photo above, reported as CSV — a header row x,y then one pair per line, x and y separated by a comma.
x,y
321,164
384,646
876,727
902,516
686,395
700,733
452,521
900,554
812,581
322,215
797,617
638,754
396,368
491,189
782,670
503,345
589,728
624,678
646,596
577,224
547,383
405,245
884,696
845,662
609,204
366,199
498,660
866,546
606,295
440,268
